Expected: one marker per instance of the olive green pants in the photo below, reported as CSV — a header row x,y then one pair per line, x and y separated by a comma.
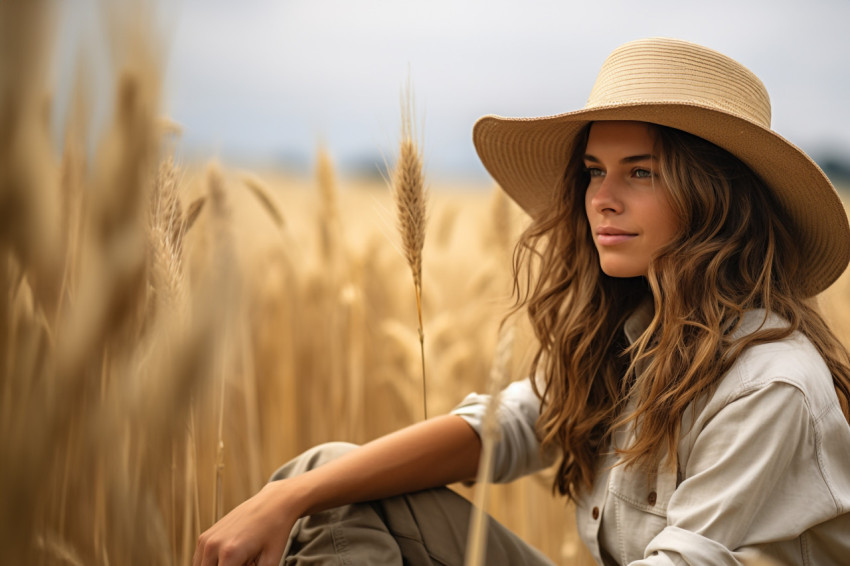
x,y
423,528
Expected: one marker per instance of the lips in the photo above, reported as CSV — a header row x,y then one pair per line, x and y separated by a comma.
x,y
610,236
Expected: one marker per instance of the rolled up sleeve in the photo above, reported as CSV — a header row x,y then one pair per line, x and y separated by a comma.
x,y
518,451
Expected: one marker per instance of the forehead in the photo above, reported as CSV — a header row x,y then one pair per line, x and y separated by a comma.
x,y
617,137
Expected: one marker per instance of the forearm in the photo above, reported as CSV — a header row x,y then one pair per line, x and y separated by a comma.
x,y
436,452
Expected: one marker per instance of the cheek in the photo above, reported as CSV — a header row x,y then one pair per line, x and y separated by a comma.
x,y
665,222
668,224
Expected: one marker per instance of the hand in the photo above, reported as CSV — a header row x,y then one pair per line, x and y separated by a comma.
x,y
255,532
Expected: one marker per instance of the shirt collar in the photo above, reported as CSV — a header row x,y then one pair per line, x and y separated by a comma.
x,y
752,321
638,321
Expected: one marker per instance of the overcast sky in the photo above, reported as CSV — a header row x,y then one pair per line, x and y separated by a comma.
x,y
268,79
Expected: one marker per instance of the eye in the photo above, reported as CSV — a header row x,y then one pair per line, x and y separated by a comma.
x,y
642,173
594,171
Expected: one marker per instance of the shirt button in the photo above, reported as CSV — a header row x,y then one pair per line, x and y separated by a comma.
x,y
652,498
595,513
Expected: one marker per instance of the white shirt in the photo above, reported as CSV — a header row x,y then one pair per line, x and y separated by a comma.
x,y
764,463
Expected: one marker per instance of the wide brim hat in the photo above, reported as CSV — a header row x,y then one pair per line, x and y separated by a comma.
x,y
691,88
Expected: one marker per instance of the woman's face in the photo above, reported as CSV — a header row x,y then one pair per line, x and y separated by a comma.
x,y
626,203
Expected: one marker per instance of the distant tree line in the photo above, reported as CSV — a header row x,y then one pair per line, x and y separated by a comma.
x,y
837,169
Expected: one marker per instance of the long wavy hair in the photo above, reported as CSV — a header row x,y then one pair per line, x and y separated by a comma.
x,y
734,252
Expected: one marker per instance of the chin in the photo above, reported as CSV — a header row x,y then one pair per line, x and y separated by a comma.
x,y
623,271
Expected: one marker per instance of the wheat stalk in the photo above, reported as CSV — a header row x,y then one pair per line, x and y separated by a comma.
x,y
330,225
409,192
72,182
191,502
500,214
165,231
499,377
221,213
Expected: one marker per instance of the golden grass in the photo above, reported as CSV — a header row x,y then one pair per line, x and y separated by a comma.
x,y
161,359
408,185
466,272
499,379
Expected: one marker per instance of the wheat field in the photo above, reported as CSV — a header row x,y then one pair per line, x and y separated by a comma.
x,y
172,332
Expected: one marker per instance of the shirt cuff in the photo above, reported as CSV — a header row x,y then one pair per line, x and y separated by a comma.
x,y
680,547
518,451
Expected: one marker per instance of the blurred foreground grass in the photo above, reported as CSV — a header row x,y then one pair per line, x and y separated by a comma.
x,y
171,334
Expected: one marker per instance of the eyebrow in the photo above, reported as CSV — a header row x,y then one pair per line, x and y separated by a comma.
x,y
630,159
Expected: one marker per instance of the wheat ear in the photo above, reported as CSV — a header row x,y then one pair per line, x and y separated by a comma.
x,y
499,377
409,191
264,196
165,232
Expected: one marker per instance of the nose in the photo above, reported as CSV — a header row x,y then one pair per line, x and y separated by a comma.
x,y
605,196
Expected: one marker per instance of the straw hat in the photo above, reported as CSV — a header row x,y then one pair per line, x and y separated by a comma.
x,y
695,89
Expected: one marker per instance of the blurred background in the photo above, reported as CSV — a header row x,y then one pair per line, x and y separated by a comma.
x,y
261,82
200,268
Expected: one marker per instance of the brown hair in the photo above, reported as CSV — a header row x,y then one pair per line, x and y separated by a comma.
x,y
734,253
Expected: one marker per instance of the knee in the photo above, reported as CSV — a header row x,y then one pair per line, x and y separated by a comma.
x,y
313,458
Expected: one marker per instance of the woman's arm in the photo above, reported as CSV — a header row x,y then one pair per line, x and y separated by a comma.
x,y
436,452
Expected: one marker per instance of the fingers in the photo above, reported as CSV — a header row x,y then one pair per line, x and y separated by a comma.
x,y
255,532
211,552
208,553
197,558
218,546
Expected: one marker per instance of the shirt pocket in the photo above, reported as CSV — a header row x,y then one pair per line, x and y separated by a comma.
x,y
638,508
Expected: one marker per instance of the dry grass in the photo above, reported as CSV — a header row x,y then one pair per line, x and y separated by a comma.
x,y
467,286
160,359
499,379
408,186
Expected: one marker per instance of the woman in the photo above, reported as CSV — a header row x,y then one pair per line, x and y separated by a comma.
x,y
694,401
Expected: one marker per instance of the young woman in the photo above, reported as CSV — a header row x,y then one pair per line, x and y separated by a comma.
x,y
693,400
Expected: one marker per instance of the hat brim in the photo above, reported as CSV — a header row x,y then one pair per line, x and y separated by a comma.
x,y
527,157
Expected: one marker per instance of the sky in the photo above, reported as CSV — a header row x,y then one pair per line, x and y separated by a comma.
x,y
255,81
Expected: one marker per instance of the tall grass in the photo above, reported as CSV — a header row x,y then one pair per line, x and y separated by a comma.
x,y
171,333
408,186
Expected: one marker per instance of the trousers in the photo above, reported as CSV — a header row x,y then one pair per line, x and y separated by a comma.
x,y
423,528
